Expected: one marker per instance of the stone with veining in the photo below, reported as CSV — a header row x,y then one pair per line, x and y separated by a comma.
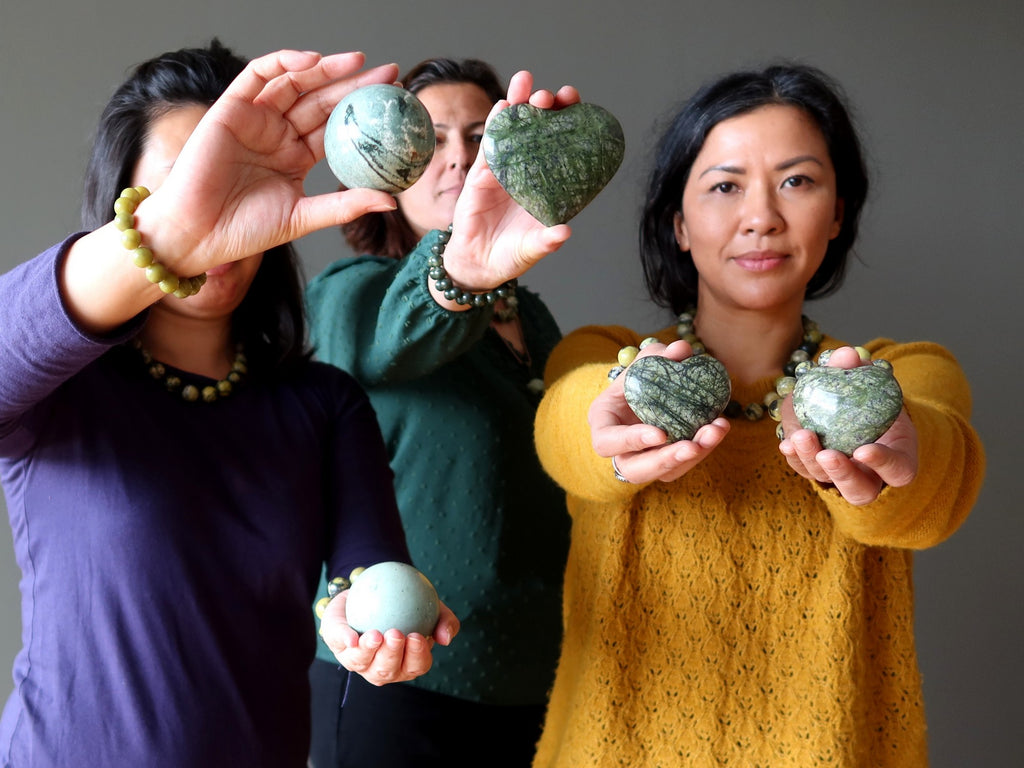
x,y
554,162
677,397
847,408
379,137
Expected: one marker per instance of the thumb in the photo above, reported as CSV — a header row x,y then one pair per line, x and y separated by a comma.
x,y
337,208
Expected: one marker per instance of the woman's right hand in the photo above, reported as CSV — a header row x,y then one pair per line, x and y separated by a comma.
x,y
493,238
640,451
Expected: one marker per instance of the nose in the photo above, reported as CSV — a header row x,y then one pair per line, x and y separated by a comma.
x,y
461,153
761,213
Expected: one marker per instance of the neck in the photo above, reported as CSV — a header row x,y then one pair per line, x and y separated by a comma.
x,y
751,344
196,346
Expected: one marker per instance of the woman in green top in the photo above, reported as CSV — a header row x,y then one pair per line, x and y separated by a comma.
x,y
455,390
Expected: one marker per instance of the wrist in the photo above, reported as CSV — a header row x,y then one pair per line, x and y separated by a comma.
x,y
442,283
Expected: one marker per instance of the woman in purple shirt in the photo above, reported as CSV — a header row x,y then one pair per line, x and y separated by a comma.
x,y
178,470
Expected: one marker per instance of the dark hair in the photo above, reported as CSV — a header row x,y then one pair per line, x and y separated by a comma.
x,y
389,233
270,321
670,274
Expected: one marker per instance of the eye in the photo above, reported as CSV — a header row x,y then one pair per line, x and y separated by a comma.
x,y
476,138
798,181
725,187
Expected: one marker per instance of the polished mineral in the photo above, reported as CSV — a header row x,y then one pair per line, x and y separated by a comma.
x,y
677,397
554,162
847,408
379,137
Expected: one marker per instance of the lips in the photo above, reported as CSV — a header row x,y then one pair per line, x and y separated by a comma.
x,y
760,261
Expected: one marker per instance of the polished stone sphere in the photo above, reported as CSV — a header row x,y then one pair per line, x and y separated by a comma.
x,y
379,137
392,595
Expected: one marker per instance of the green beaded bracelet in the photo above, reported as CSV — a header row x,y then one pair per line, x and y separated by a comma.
x,y
131,239
452,292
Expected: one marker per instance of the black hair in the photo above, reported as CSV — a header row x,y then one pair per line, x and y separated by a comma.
x,y
270,321
670,274
389,233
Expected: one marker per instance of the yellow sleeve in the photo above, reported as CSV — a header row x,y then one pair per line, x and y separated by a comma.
x,y
576,373
951,459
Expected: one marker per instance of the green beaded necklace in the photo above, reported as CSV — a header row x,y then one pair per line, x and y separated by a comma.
x,y
772,400
190,392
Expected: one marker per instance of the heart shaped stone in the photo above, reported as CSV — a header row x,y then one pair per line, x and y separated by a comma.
x,y
677,397
847,408
554,162
379,137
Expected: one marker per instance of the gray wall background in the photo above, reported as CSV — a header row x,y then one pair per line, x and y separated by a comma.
x,y
937,91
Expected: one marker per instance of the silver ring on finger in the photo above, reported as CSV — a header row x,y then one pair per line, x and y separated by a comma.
x,y
618,475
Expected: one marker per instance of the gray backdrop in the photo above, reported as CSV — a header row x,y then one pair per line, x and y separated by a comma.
x,y
937,90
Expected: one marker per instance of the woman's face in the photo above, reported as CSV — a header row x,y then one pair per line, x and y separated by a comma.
x,y
759,208
227,284
458,112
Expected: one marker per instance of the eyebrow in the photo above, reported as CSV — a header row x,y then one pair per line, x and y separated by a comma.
x,y
471,126
784,165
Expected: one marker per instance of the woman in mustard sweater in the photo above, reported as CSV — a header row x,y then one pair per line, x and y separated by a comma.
x,y
730,599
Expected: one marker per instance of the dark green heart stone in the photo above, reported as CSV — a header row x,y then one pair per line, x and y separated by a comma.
x,y
847,408
677,397
554,162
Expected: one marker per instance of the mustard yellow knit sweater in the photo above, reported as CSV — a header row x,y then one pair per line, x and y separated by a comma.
x,y
743,615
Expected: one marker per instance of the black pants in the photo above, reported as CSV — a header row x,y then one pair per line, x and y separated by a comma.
x,y
401,726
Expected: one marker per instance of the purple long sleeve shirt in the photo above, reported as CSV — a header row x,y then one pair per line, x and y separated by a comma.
x,y
169,550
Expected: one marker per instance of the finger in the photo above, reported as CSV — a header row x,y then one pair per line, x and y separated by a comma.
x,y
893,467
566,96
857,486
311,111
806,447
542,99
336,208
448,626
283,91
844,357
260,71
360,657
417,659
519,87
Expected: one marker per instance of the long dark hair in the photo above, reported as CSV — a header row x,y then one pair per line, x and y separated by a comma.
x,y
389,233
270,321
670,274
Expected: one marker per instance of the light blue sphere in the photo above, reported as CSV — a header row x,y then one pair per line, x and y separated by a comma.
x,y
392,595
379,137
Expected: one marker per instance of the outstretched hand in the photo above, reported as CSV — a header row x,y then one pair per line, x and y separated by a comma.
x,y
891,460
493,238
641,452
236,189
382,658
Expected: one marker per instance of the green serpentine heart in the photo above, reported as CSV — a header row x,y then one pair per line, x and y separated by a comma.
x,y
847,408
677,397
554,162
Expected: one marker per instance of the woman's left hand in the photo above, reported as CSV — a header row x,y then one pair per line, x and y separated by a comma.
x,y
890,460
382,658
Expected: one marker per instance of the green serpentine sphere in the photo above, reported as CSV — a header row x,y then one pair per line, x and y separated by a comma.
x,y
379,137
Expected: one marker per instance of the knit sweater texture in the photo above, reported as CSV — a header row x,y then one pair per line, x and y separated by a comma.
x,y
742,615
483,521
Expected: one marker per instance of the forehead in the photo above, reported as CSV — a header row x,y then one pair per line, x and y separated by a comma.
x,y
458,102
768,130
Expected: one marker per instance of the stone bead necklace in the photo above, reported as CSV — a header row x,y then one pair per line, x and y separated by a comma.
x,y
784,384
190,392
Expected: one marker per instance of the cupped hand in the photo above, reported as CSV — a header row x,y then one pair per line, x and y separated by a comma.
x,y
388,657
236,189
890,460
642,452
493,238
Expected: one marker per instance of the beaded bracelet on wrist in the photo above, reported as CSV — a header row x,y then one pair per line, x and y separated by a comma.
x,y
452,292
131,239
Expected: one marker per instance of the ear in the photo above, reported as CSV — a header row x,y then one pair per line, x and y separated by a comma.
x,y
837,225
679,226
